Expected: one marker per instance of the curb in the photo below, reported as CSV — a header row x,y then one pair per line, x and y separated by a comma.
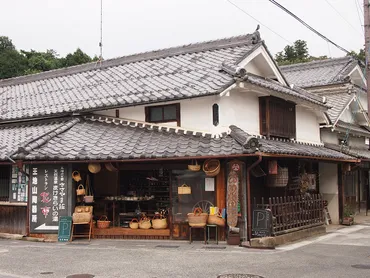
x,y
11,236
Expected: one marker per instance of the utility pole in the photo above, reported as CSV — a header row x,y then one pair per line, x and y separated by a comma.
x,y
367,48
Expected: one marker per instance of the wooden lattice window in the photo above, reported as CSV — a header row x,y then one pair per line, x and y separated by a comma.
x,y
277,118
163,113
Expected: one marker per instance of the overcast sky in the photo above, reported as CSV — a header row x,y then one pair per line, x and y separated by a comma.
x,y
131,26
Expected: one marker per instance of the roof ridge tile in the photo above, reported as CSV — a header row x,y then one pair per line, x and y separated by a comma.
x,y
153,126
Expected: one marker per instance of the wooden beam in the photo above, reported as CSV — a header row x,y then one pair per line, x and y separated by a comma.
x,y
221,195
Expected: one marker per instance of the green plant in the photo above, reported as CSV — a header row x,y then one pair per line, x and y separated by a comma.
x,y
348,211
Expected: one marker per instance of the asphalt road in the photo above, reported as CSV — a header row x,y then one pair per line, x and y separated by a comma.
x,y
344,253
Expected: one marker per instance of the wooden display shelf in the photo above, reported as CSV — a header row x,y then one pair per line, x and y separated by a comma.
x,y
127,233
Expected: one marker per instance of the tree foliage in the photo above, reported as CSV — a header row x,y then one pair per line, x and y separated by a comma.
x,y
16,63
296,53
359,56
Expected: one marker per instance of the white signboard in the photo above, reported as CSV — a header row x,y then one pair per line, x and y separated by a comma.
x,y
209,184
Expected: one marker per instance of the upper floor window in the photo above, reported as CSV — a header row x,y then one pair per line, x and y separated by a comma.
x,y
163,113
215,114
277,118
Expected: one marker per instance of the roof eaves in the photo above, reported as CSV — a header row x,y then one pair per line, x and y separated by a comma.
x,y
298,93
43,139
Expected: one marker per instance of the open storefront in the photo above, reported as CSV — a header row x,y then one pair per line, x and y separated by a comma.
x,y
121,193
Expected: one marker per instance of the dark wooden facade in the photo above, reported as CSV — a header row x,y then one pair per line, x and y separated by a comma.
x,y
13,219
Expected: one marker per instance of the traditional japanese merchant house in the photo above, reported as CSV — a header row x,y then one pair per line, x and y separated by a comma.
x,y
129,128
346,129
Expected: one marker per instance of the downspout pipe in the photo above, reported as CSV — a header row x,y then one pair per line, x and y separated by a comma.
x,y
249,203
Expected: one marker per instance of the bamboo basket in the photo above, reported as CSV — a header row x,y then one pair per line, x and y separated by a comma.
x,y
211,167
158,222
134,224
103,222
194,167
80,190
197,218
81,217
145,224
216,219
280,179
184,189
76,176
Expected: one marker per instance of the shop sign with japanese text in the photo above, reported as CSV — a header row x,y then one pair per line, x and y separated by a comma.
x,y
50,196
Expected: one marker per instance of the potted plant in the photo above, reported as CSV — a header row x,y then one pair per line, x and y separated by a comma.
x,y
348,215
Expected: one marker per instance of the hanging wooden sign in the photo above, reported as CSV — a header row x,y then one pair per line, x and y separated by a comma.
x,y
232,199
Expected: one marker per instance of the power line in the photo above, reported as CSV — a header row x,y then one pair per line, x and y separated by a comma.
x,y
308,26
349,23
359,16
236,6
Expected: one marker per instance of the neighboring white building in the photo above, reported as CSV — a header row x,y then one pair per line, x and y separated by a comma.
x,y
346,128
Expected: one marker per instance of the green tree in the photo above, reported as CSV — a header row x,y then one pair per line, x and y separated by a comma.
x,y
6,44
12,63
296,53
15,63
360,55
76,58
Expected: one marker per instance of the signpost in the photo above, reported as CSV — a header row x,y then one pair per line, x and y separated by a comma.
x,y
50,196
64,232
262,223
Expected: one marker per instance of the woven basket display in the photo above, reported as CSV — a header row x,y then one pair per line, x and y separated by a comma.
x,y
103,222
76,176
194,167
158,222
134,224
94,168
197,218
216,219
80,191
144,223
81,217
184,189
280,179
211,167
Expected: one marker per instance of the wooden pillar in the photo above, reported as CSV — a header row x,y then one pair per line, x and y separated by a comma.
x,y
221,196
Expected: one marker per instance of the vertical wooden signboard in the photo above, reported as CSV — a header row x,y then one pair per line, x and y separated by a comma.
x,y
51,192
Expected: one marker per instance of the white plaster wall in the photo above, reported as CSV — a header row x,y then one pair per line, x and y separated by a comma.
x,y
357,142
327,136
237,108
347,116
252,68
240,108
307,125
328,176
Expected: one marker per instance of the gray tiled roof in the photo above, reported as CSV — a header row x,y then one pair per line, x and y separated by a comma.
x,y
338,102
352,128
164,75
104,138
319,73
109,138
169,74
15,136
276,86
355,152
269,146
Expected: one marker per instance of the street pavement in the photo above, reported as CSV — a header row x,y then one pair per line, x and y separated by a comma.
x,y
341,253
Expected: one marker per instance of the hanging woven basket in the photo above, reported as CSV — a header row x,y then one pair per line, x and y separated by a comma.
x,y
211,167
194,167
280,179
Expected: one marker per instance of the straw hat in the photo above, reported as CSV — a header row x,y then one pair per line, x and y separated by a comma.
x,y
109,166
94,168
